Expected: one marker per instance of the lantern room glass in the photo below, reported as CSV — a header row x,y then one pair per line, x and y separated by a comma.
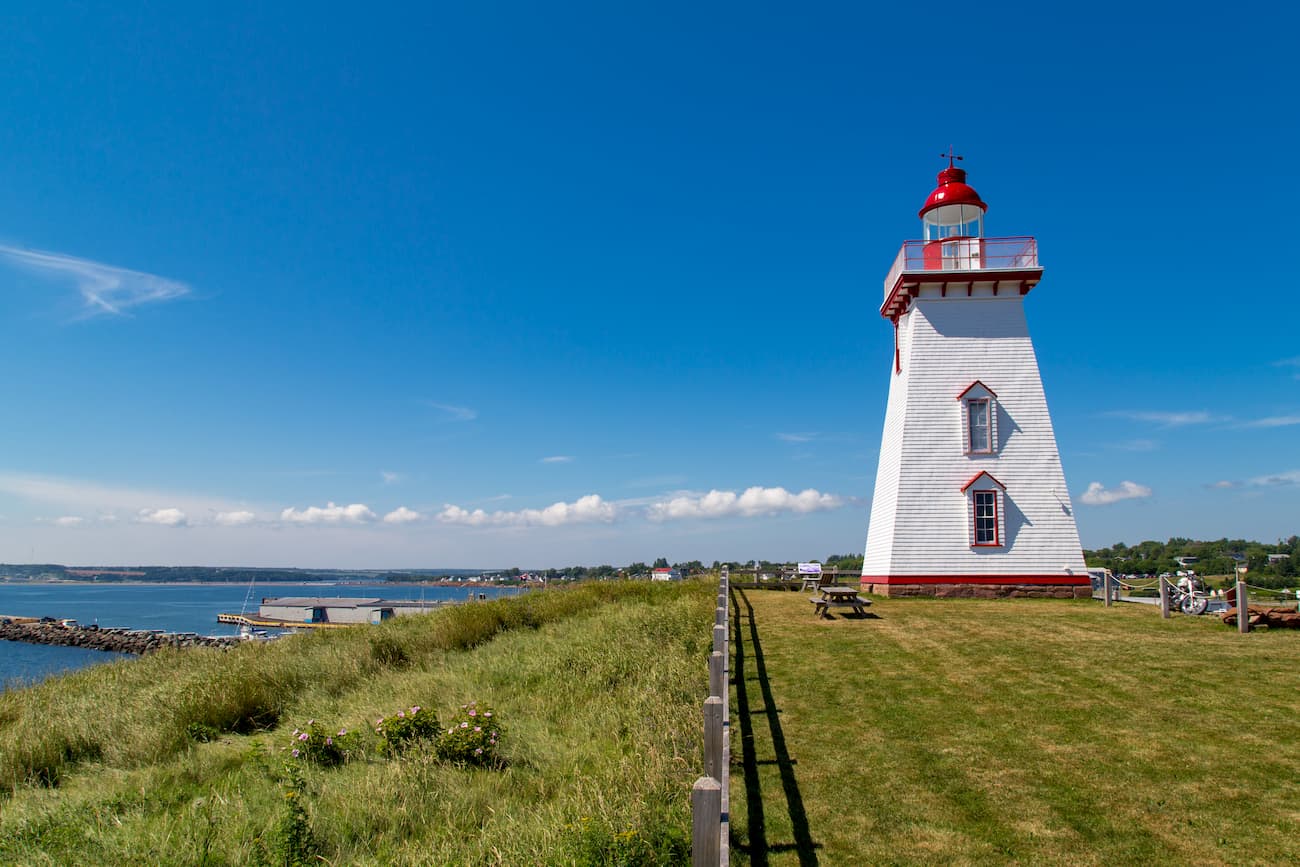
x,y
953,221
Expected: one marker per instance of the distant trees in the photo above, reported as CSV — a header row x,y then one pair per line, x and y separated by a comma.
x,y
1217,557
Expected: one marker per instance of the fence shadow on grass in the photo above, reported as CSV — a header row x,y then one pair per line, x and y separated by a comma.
x,y
743,646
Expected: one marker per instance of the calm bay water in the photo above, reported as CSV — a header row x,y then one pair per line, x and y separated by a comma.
x,y
169,607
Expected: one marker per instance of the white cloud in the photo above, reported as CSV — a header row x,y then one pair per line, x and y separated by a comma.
x,y
754,501
390,478
454,413
1168,419
402,515
557,459
355,513
236,518
1096,495
1273,421
104,288
796,437
69,521
165,517
1224,483
588,509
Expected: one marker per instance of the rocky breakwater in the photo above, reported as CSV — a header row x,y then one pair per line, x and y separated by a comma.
x,y
110,639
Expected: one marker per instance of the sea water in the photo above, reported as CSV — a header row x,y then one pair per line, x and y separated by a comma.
x,y
169,607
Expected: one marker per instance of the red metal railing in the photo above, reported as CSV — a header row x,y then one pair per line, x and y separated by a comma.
x,y
963,254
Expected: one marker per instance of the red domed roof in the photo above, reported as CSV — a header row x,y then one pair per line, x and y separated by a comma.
x,y
952,190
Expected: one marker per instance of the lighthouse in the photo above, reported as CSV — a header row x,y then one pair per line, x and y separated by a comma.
x,y
970,497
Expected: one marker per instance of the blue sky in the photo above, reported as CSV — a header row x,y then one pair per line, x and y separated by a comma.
x,y
499,284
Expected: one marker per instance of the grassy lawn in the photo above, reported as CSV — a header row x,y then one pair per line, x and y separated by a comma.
x,y
1028,731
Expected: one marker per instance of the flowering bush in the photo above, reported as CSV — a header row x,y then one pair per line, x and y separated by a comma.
x,y
405,728
319,745
471,737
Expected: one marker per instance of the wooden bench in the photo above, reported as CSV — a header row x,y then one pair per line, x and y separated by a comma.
x,y
822,606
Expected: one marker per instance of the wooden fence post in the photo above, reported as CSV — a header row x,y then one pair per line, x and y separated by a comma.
x,y
1164,598
1243,608
706,822
719,638
1105,582
717,674
713,737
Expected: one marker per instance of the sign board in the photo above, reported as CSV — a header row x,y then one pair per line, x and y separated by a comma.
x,y
810,569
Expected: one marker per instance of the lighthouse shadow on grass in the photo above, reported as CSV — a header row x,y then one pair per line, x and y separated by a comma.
x,y
749,667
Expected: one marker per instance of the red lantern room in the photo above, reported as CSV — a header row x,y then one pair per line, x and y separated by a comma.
x,y
954,209
953,245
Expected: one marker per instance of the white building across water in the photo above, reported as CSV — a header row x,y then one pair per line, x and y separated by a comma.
x,y
970,497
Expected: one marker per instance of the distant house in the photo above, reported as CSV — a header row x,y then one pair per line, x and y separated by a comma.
x,y
666,575
1186,561
1278,558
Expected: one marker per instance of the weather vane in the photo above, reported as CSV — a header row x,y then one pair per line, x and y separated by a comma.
x,y
950,156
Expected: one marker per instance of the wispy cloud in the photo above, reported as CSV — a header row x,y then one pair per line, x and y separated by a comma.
x,y
1168,419
69,521
237,518
796,437
356,513
402,515
1139,445
1272,421
390,478
1293,363
557,459
1097,495
1275,479
454,413
105,289
752,502
584,510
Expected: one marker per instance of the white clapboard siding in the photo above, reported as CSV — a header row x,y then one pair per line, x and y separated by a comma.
x,y
920,519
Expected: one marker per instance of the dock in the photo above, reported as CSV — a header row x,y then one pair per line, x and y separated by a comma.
x,y
259,622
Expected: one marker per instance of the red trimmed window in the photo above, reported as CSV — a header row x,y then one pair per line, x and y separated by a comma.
x,y
979,419
984,504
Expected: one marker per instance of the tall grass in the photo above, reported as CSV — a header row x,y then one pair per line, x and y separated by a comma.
x,y
599,687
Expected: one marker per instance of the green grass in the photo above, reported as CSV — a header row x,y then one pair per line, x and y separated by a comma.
x,y
1013,731
598,688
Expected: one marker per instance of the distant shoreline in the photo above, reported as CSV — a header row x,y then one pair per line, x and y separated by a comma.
x,y
86,583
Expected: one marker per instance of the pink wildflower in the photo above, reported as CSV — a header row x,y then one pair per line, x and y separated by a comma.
x,y
415,709
478,728
487,713
479,751
295,754
464,725
302,737
329,742
401,714
473,712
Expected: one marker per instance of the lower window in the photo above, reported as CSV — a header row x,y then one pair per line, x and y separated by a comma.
x,y
986,517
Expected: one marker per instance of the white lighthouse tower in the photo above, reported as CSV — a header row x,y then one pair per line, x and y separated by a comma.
x,y
970,498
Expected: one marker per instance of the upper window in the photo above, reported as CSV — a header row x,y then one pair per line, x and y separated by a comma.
x,y
979,419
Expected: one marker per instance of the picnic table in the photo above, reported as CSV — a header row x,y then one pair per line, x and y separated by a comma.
x,y
838,597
